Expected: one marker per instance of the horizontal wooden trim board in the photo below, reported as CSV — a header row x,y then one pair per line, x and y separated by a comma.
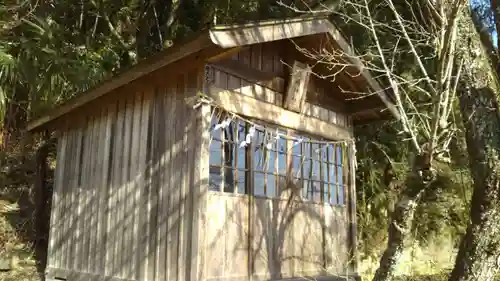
x,y
252,108
231,36
262,78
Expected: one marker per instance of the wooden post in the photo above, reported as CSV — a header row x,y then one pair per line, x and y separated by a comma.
x,y
351,185
198,265
41,199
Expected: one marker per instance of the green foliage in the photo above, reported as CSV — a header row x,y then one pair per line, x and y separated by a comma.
x,y
443,208
446,210
55,51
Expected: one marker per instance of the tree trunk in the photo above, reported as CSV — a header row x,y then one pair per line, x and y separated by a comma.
x,y
401,224
479,254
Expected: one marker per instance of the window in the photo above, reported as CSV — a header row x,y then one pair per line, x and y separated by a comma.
x,y
265,164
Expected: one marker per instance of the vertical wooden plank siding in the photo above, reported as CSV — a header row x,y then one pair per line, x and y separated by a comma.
x,y
98,137
142,244
83,179
135,177
102,225
56,199
125,187
163,195
154,171
179,177
65,196
112,194
70,183
173,207
125,237
74,215
89,193
116,204
58,222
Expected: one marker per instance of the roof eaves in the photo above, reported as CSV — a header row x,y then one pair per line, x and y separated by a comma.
x,y
228,36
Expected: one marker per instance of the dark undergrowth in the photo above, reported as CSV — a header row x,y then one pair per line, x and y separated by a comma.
x,y
22,249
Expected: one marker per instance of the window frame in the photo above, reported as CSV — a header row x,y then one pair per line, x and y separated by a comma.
x,y
340,187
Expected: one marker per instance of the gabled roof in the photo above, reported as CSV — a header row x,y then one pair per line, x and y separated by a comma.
x,y
224,37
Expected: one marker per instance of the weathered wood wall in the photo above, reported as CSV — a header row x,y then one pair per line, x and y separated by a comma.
x,y
259,71
262,238
273,238
123,198
127,201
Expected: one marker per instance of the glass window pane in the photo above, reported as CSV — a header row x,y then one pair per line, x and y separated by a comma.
x,y
282,163
214,121
271,166
241,150
330,153
282,145
324,153
333,194
341,195
340,175
266,161
306,189
296,165
324,171
259,184
214,179
260,138
258,159
271,185
307,168
242,131
241,182
296,150
241,158
261,160
215,153
316,191
315,170
229,182
228,154
229,134
315,151
306,150
325,192
338,153
333,173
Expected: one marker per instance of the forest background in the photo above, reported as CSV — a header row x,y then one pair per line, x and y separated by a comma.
x,y
52,50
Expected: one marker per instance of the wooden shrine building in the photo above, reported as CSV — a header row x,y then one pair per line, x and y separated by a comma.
x,y
226,157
